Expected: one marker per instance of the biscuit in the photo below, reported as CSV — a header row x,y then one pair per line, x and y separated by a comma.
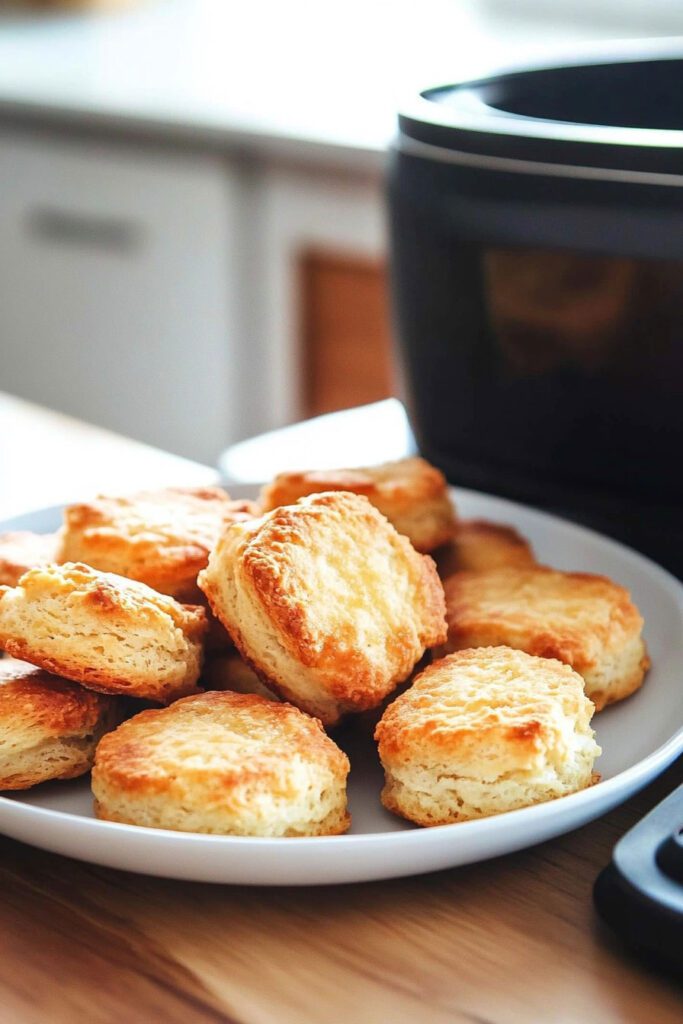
x,y
161,538
223,763
326,601
485,731
108,633
21,551
587,621
411,493
231,672
49,727
479,545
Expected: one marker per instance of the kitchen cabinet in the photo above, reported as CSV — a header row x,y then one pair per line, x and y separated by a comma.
x,y
118,283
186,297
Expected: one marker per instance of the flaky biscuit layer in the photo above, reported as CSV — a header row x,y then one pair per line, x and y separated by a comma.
x,y
586,621
485,731
326,601
49,727
223,763
108,633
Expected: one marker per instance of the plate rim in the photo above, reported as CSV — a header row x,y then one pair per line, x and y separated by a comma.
x,y
660,758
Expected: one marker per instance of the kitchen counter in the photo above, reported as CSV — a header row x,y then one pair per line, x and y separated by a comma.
x,y
289,80
511,941
47,458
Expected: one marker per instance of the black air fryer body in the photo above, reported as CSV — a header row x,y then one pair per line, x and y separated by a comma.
x,y
537,268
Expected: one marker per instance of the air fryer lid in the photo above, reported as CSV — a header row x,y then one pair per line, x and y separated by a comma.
x,y
619,112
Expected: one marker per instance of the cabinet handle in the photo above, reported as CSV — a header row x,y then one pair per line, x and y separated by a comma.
x,y
85,230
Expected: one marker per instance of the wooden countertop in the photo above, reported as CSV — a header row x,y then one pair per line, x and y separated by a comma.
x,y
511,941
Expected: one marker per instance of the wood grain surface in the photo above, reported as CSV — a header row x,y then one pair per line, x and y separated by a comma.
x,y
511,941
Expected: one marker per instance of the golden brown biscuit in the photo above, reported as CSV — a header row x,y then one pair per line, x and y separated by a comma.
x,y
411,493
224,763
161,538
479,545
108,633
231,672
21,551
485,731
587,621
49,727
328,603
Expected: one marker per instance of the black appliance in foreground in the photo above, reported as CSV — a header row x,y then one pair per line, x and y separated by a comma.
x,y
537,275
640,894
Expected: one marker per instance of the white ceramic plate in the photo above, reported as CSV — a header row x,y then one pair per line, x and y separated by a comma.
x,y
639,738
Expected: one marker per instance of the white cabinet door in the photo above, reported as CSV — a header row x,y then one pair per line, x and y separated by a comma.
x,y
118,289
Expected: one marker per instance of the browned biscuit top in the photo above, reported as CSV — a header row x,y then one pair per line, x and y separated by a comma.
x,y
327,601
33,698
493,708
222,737
106,595
321,570
572,616
161,538
403,482
411,493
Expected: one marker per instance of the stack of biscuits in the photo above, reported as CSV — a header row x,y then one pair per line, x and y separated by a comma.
x,y
196,652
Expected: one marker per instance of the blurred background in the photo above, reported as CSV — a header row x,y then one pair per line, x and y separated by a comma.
x,y
192,225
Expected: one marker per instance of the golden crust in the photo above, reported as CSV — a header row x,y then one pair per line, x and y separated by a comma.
x,y
326,601
161,538
224,763
49,727
21,551
108,633
479,545
59,705
586,621
411,493
485,731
